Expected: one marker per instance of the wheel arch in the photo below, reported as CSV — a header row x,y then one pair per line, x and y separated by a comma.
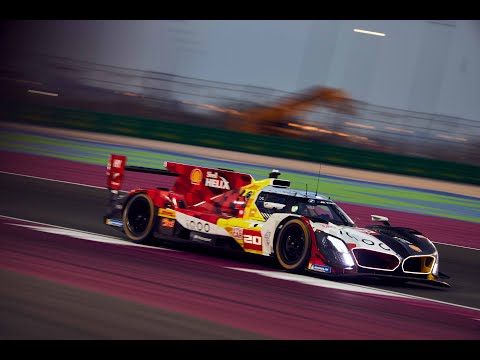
x,y
152,222
311,236
279,228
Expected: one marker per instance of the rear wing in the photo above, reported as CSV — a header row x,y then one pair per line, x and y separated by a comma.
x,y
195,183
116,167
199,183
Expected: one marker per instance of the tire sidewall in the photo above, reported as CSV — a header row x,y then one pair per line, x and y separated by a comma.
x,y
302,262
146,234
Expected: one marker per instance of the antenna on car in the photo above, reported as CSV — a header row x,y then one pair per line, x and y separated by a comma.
x,y
318,179
306,190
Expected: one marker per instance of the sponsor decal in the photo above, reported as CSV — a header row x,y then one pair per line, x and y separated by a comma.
x,y
199,226
267,236
367,231
201,238
114,222
168,213
117,163
216,181
384,247
405,241
320,268
115,168
351,236
368,242
196,176
416,248
168,223
252,240
237,232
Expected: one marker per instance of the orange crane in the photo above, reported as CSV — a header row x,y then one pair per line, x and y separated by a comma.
x,y
270,119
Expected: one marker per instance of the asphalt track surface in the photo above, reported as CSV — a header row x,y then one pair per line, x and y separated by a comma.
x,y
58,284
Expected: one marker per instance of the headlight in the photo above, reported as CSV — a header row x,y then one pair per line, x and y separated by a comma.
x,y
335,250
338,244
435,267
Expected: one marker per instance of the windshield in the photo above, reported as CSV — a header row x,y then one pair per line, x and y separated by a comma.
x,y
316,209
321,210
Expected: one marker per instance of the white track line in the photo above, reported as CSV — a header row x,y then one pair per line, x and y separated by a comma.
x,y
308,280
460,246
85,235
60,181
343,286
79,234
42,92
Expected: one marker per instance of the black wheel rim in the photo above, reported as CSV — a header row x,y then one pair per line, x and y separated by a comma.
x,y
138,216
292,244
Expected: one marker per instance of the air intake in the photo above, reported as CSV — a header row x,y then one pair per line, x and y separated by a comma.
x,y
376,260
418,264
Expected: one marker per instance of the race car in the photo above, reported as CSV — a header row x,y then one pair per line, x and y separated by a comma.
x,y
303,230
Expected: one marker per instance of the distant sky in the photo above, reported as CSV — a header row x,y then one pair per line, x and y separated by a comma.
x,y
420,65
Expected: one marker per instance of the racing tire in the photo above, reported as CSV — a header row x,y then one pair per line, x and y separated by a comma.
x,y
293,246
138,218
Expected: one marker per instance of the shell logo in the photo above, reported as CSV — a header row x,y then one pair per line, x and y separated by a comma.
x,y
196,176
416,248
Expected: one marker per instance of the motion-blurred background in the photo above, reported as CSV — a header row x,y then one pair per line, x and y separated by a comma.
x,y
389,95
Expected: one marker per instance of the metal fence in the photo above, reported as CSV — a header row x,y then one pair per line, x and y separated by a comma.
x,y
175,98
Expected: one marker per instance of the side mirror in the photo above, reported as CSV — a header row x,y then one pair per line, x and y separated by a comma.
x,y
273,205
382,219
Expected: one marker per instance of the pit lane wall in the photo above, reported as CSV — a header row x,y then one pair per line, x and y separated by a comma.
x,y
238,141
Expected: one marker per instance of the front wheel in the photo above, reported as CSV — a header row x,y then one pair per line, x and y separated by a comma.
x,y
138,217
293,246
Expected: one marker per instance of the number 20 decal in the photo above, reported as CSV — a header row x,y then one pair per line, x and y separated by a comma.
x,y
255,240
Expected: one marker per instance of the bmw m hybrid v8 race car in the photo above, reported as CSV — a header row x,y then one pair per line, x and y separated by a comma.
x,y
302,230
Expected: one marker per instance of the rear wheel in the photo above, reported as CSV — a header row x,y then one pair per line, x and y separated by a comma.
x,y
138,217
293,246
